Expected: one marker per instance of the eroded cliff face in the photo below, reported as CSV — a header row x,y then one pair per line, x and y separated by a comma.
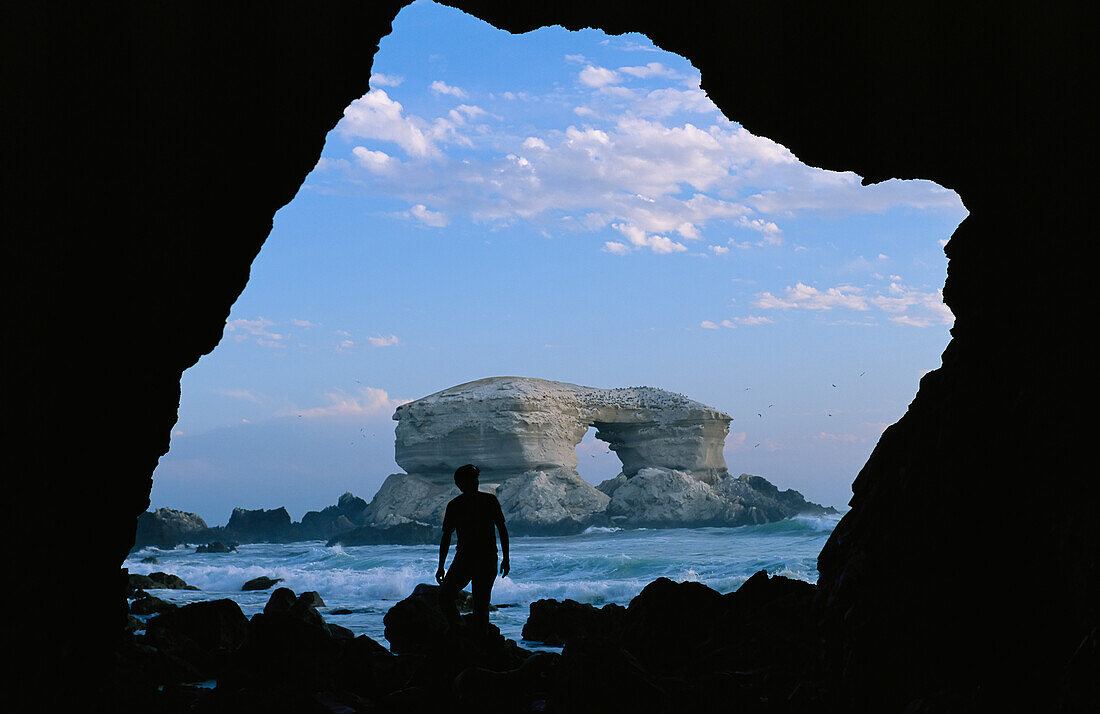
x,y
929,602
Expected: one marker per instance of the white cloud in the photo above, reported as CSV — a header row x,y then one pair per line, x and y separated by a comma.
x,y
304,323
384,341
651,69
370,401
718,249
903,304
439,87
598,77
375,161
616,247
805,297
708,325
243,329
376,116
377,79
750,321
420,212
242,394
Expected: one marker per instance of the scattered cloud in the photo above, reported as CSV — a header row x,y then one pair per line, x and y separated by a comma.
x,y
421,213
244,329
903,304
439,87
598,77
368,401
378,79
242,394
384,341
708,325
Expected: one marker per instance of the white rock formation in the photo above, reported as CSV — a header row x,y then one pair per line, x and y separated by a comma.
x,y
511,425
523,433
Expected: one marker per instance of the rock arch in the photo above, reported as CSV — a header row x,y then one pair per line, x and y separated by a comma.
x,y
511,425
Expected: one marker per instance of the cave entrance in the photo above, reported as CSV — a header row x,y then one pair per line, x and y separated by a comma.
x,y
565,205
596,462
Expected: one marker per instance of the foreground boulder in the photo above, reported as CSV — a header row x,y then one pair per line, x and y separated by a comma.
x,y
555,623
157,581
261,583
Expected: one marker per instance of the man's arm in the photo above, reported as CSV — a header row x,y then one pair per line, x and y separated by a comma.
x,y
504,566
444,546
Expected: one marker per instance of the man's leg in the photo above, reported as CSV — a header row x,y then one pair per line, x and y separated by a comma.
x,y
456,578
482,590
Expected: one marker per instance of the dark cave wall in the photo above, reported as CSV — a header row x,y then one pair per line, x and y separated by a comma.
x,y
138,220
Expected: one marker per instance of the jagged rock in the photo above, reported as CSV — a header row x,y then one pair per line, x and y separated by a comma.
x,y
147,604
261,583
407,533
550,502
155,581
324,524
555,623
202,633
216,547
260,526
165,527
403,498
661,497
416,623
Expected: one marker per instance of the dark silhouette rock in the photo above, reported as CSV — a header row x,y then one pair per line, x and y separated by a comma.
x,y
415,623
311,598
158,581
411,533
216,547
590,664
165,528
554,623
281,601
150,605
668,619
263,582
260,526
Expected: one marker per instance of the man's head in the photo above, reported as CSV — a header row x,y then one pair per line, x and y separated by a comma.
x,y
466,478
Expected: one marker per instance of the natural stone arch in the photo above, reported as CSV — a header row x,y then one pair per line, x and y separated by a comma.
x,y
511,425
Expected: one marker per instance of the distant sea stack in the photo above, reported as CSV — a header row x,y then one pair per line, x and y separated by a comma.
x,y
523,433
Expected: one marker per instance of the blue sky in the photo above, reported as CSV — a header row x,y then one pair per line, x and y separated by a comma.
x,y
565,205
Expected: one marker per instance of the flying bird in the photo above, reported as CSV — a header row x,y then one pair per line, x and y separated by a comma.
x,y
755,445
759,415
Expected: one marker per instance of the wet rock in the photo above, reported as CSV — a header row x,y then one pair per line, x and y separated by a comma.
x,y
150,605
216,547
407,533
263,582
667,619
554,623
158,581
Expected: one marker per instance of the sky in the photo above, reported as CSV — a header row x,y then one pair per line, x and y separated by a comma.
x,y
570,206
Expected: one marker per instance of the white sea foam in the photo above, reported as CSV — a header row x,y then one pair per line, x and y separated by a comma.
x,y
600,566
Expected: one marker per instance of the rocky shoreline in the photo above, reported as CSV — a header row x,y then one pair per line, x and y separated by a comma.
x,y
685,502
675,647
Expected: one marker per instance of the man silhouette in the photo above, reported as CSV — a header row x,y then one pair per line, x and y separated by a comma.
x,y
474,515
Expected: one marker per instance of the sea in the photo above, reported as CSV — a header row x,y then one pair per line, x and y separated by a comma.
x,y
359,584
